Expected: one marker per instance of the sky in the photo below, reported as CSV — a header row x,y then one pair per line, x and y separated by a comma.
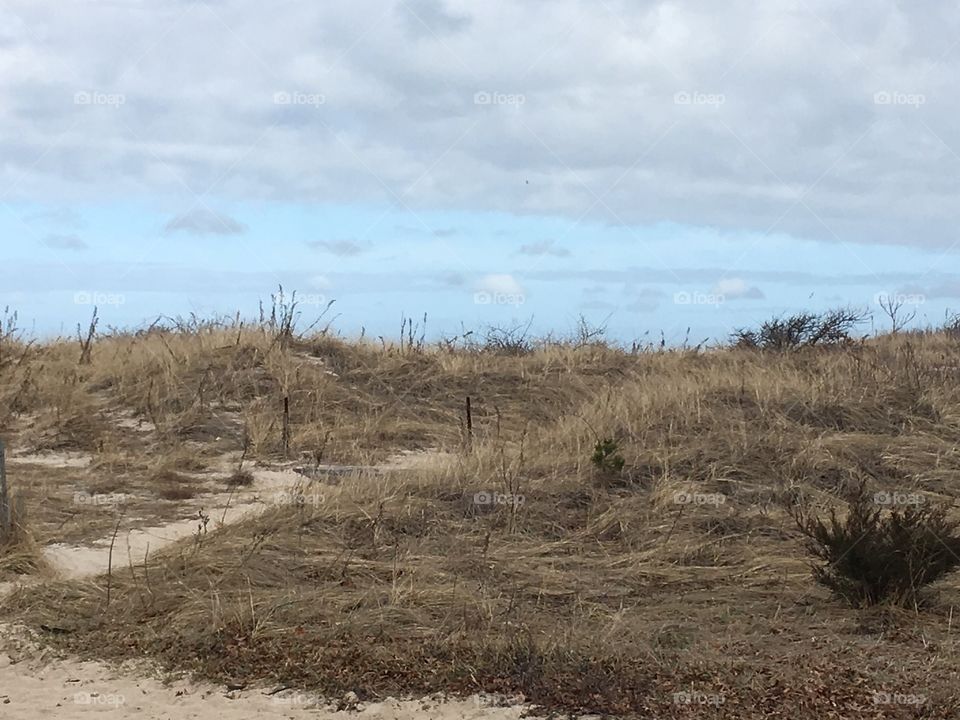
x,y
684,168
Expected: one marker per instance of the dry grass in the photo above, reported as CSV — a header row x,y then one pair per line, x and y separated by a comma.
x,y
603,590
20,554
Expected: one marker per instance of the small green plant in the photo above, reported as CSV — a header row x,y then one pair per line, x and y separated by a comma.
x,y
871,556
606,456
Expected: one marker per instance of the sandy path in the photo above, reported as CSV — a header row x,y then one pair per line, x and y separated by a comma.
x,y
77,561
34,686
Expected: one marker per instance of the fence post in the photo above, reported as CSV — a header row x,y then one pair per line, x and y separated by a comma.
x,y
5,510
286,427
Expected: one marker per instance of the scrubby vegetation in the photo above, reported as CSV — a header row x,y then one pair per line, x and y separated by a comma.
x,y
872,556
804,330
616,533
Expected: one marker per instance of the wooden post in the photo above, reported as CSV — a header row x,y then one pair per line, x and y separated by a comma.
x,y
286,427
469,423
6,520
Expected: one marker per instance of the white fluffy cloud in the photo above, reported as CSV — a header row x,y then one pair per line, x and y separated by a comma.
x,y
737,289
500,285
814,117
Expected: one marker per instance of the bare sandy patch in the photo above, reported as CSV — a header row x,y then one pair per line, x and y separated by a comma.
x,y
133,545
33,686
53,459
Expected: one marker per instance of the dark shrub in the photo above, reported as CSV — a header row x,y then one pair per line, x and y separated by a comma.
x,y
873,556
606,456
801,330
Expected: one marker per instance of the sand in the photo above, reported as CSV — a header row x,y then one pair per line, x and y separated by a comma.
x,y
35,685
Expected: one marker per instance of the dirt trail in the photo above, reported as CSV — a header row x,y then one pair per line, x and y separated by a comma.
x,y
35,686
78,561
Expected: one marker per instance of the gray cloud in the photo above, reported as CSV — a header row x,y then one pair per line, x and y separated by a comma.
x,y
544,247
945,289
430,18
644,299
829,123
64,242
201,221
597,305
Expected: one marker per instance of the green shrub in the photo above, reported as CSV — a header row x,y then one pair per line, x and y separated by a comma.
x,y
606,456
872,556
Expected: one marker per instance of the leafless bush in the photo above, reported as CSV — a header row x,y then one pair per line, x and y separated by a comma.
x,y
951,325
892,306
801,330
587,333
513,340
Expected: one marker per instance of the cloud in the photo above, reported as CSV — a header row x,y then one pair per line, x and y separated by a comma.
x,y
597,305
320,282
63,216
343,248
737,289
644,299
791,135
498,284
64,242
948,289
545,247
643,305
446,232
201,221
425,18
453,280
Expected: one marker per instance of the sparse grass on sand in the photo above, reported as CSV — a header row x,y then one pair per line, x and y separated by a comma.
x,y
20,554
674,587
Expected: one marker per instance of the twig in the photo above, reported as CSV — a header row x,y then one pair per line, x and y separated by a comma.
x,y
110,560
